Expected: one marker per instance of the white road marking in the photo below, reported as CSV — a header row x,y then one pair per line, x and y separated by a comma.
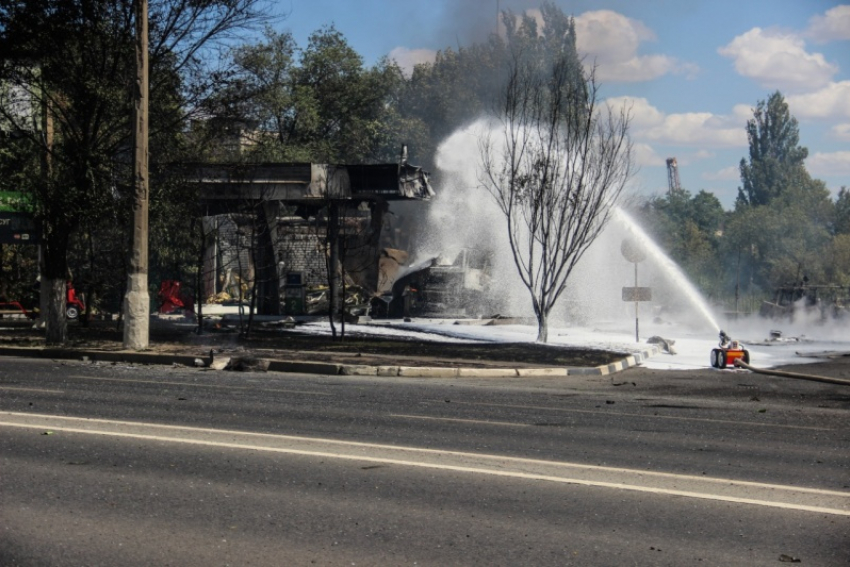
x,y
690,486
459,420
643,415
24,389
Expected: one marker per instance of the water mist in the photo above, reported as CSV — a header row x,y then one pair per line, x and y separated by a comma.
x,y
464,215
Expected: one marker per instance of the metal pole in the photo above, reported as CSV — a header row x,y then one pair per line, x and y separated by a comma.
x,y
137,300
637,334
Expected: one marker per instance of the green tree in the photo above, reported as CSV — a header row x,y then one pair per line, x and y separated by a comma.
x,y
453,91
317,104
263,91
688,228
783,218
776,159
785,240
74,61
465,82
838,253
842,212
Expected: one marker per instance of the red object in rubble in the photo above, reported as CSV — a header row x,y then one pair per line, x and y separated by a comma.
x,y
73,304
14,308
171,298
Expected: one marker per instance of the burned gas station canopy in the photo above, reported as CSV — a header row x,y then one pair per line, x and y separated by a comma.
x,y
299,218
309,182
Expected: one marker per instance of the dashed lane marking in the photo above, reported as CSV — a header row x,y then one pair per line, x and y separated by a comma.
x,y
24,389
459,420
253,388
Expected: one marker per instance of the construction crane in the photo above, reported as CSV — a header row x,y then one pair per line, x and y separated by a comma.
x,y
673,176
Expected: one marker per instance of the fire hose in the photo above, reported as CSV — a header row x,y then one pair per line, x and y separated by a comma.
x,y
812,377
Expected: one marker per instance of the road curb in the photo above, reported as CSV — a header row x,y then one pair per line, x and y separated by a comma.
x,y
126,356
333,369
304,367
614,367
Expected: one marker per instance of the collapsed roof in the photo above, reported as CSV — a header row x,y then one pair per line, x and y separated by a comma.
x,y
309,182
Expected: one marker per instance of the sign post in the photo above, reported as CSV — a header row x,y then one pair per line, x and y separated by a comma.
x,y
634,254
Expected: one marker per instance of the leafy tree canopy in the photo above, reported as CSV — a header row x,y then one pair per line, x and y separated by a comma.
x,y
776,158
842,212
319,103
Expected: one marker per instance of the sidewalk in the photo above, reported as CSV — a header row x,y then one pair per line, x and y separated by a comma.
x,y
174,345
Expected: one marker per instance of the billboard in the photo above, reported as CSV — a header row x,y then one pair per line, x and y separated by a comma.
x,y
18,228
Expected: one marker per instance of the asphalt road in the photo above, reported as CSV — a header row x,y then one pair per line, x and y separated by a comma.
x,y
123,465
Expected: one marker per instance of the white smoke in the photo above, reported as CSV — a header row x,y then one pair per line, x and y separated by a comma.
x,y
464,215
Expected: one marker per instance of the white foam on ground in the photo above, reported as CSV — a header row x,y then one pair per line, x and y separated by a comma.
x,y
692,347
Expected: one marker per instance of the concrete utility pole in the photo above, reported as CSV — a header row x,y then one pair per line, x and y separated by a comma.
x,y
137,300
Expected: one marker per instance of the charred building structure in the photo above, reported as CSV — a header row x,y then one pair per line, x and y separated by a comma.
x,y
281,228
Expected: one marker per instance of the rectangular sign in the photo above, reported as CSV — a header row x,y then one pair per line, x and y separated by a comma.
x,y
18,228
637,294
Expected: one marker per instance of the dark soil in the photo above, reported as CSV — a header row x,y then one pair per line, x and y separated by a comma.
x,y
352,349
484,353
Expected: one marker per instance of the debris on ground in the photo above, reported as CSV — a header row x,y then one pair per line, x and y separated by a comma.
x,y
243,362
217,362
248,363
665,344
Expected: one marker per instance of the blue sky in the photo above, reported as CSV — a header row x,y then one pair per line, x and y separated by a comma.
x,y
691,70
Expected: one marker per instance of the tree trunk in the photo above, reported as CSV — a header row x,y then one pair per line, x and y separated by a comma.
x,y
255,283
542,327
89,290
54,274
333,265
57,326
199,278
265,264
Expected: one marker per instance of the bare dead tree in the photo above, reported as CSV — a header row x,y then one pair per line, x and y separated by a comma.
x,y
555,163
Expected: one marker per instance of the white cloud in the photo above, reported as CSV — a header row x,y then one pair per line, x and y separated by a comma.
x,y
826,164
841,132
833,25
832,101
690,158
700,129
645,155
611,41
642,114
743,112
730,173
778,60
407,58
